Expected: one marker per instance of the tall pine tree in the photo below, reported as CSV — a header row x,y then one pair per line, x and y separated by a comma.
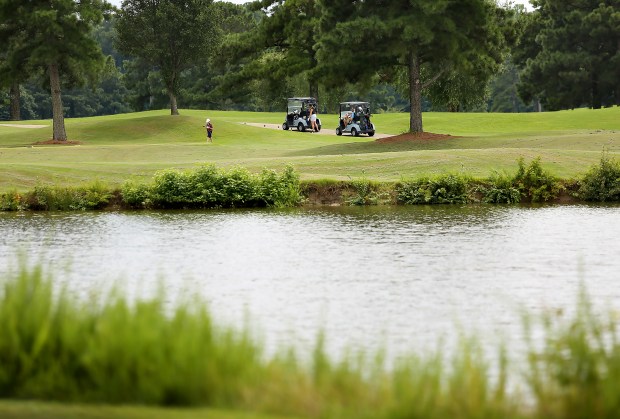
x,y
169,35
570,54
429,38
282,45
53,36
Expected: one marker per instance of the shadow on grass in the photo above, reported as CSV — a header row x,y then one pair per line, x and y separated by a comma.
x,y
373,146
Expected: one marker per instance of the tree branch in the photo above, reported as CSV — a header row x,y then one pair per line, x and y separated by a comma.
x,y
434,79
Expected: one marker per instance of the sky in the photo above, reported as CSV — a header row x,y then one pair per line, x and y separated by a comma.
x,y
118,2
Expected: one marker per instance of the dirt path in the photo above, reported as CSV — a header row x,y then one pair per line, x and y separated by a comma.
x,y
22,126
323,131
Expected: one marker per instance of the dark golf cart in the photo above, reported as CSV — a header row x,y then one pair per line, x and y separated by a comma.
x,y
298,113
355,119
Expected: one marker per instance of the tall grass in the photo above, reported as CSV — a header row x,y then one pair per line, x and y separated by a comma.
x,y
110,350
576,373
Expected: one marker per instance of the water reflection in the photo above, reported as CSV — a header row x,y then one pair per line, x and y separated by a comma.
x,y
370,277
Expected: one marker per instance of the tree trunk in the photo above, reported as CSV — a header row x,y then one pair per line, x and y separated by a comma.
x,y
57,110
15,102
597,102
313,89
174,110
415,94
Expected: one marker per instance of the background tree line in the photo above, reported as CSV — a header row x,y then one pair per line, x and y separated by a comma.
x,y
437,55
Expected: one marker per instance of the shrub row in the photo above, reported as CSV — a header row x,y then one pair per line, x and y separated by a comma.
x,y
206,187
209,187
531,183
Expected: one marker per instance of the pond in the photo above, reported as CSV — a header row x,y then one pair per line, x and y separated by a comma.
x,y
397,278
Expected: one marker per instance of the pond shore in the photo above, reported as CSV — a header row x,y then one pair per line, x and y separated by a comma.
x,y
322,193
343,193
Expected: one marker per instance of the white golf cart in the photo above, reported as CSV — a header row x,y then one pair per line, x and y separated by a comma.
x,y
355,119
298,114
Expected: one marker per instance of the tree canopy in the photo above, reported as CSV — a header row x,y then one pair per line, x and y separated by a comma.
x,y
431,39
255,55
52,36
278,52
170,35
570,53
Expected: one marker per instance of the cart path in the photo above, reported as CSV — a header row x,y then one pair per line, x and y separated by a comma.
x,y
23,126
322,132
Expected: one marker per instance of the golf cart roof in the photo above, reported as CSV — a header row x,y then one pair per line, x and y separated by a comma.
x,y
354,103
303,99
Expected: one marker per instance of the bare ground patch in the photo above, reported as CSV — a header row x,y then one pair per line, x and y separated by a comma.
x,y
56,142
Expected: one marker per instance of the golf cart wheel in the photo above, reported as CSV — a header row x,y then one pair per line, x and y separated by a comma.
x,y
300,127
318,128
338,131
354,133
371,133
285,126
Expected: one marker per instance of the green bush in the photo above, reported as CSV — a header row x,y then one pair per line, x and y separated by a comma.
x,y
239,188
602,182
95,195
535,183
136,195
446,189
48,198
279,191
12,201
500,189
172,188
366,192
209,187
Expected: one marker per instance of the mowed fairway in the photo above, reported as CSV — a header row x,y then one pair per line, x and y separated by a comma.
x,y
115,148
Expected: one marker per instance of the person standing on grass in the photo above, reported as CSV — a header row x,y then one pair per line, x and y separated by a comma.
x,y
209,127
313,119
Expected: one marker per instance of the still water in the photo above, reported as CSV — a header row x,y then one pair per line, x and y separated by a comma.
x,y
395,278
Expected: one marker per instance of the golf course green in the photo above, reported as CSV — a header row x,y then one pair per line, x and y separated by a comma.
x,y
115,148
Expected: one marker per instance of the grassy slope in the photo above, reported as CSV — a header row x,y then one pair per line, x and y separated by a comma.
x,y
116,147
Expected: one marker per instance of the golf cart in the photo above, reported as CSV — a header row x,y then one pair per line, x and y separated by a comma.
x,y
298,114
355,119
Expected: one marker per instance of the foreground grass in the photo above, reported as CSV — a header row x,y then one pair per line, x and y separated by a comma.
x,y
114,148
109,351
